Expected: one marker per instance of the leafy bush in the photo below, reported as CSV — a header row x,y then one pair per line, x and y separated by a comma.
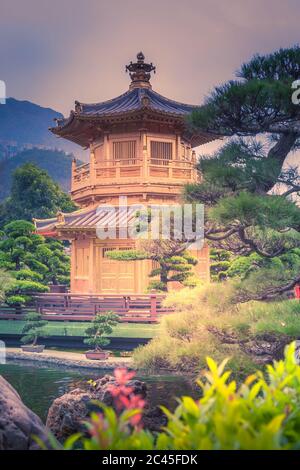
x,y
205,322
33,261
207,297
18,293
263,413
5,282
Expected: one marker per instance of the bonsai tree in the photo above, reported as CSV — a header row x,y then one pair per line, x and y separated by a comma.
x,y
33,329
102,325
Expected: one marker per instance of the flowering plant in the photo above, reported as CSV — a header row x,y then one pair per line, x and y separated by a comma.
x,y
263,413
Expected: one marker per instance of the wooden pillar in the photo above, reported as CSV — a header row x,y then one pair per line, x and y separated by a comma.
x,y
145,156
73,173
73,265
92,273
153,307
178,147
106,147
92,168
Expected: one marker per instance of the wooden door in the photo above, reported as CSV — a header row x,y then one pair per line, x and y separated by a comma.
x,y
115,277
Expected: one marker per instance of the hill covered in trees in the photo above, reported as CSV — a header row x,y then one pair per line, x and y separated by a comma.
x,y
55,162
25,125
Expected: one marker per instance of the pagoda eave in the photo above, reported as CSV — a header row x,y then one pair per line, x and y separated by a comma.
x,y
84,129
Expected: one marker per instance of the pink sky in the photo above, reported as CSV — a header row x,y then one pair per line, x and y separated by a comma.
x,y
53,52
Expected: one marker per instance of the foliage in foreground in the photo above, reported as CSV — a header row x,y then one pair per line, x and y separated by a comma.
x,y
263,413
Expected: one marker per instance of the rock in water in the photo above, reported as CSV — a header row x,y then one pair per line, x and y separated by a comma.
x,y
17,422
68,413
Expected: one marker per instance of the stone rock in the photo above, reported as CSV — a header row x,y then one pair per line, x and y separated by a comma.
x,y
17,423
68,413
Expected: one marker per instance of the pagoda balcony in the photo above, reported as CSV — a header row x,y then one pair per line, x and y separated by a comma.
x,y
133,171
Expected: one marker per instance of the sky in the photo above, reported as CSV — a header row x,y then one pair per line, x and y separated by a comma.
x,y
55,52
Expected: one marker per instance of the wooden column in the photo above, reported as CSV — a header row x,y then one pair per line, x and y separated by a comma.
x,y
178,147
73,173
73,264
106,148
92,168
153,307
92,273
145,155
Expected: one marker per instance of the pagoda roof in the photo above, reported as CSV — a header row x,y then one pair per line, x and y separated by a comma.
x,y
86,219
140,102
135,100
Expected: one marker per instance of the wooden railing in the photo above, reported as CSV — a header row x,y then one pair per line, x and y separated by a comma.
x,y
138,308
81,174
172,169
134,168
118,169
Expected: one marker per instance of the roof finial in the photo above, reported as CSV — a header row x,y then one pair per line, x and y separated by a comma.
x,y
140,72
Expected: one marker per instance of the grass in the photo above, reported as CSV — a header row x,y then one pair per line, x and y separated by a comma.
x,y
282,317
56,328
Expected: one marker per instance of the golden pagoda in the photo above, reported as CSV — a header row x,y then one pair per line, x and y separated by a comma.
x,y
140,148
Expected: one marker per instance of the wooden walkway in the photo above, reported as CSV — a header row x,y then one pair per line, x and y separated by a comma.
x,y
137,308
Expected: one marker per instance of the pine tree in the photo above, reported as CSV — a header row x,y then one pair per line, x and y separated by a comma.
x,y
247,187
31,260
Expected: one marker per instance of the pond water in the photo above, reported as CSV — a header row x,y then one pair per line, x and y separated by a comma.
x,y
39,386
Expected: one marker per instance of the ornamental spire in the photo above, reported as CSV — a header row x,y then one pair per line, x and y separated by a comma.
x,y
140,72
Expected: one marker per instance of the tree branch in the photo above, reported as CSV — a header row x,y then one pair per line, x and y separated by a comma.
x,y
253,245
268,294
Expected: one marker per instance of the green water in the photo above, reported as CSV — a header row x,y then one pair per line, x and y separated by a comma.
x,y
39,386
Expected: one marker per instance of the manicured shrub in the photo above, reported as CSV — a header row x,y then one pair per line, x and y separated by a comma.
x,y
34,328
101,326
18,293
205,322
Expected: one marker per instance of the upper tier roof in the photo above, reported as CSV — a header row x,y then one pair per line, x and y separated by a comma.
x,y
140,97
136,99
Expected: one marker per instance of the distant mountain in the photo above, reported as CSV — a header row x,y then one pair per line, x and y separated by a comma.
x,y
24,125
55,162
